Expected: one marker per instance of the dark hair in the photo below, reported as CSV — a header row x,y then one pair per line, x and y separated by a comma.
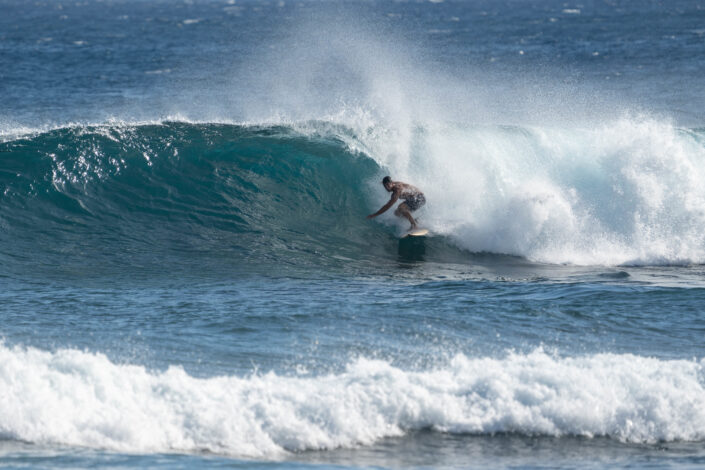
x,y
386,180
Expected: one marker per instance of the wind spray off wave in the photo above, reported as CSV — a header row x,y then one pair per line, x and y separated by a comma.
x,y
524,163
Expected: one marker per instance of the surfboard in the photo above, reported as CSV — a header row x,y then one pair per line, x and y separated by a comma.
x,y
419,232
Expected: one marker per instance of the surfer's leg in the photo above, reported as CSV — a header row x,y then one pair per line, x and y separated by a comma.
x,y
403,210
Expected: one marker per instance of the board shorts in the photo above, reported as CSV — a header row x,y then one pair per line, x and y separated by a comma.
x,y
415,201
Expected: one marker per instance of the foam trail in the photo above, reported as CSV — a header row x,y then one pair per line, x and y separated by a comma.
x,y
79,398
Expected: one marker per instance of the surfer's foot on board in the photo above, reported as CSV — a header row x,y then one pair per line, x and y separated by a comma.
x,y
411,220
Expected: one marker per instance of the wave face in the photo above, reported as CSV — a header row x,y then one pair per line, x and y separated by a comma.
x,y
627,192
136,194
79,398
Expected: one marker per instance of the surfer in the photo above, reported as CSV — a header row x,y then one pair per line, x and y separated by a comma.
x,y
412,196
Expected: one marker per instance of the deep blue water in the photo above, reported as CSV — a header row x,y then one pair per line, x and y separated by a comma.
x,y
189,281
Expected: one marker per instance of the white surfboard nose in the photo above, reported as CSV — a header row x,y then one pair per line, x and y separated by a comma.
x,y
418,232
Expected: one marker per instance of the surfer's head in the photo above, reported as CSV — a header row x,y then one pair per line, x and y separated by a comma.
x,y
387,183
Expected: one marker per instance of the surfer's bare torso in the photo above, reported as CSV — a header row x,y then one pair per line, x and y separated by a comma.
x,y
405,190
411,195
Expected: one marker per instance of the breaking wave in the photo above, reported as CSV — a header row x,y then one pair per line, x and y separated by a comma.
x,y
629,192
79,398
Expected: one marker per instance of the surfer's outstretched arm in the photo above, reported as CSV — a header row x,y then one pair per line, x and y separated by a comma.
x,y
384,208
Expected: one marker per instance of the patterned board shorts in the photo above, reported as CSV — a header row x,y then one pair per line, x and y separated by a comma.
x,y
415,201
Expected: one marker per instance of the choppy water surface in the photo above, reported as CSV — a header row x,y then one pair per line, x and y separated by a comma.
x,y
188,278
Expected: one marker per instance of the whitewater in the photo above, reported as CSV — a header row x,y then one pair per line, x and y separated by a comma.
x,y
83,399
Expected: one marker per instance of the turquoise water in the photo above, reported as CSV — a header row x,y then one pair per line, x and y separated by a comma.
x,y
189,281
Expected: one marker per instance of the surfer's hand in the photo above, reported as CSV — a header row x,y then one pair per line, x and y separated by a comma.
x,y
371,216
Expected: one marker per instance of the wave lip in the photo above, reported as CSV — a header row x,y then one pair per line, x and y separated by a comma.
x,y
78,398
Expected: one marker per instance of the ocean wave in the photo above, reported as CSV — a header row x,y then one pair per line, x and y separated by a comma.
x,y
626,192
117,192
72,397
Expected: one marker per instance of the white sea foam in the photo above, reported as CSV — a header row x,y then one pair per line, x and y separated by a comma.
x,y
79,398
627,191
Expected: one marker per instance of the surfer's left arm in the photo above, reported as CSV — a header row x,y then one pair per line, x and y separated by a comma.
x,y
395,197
